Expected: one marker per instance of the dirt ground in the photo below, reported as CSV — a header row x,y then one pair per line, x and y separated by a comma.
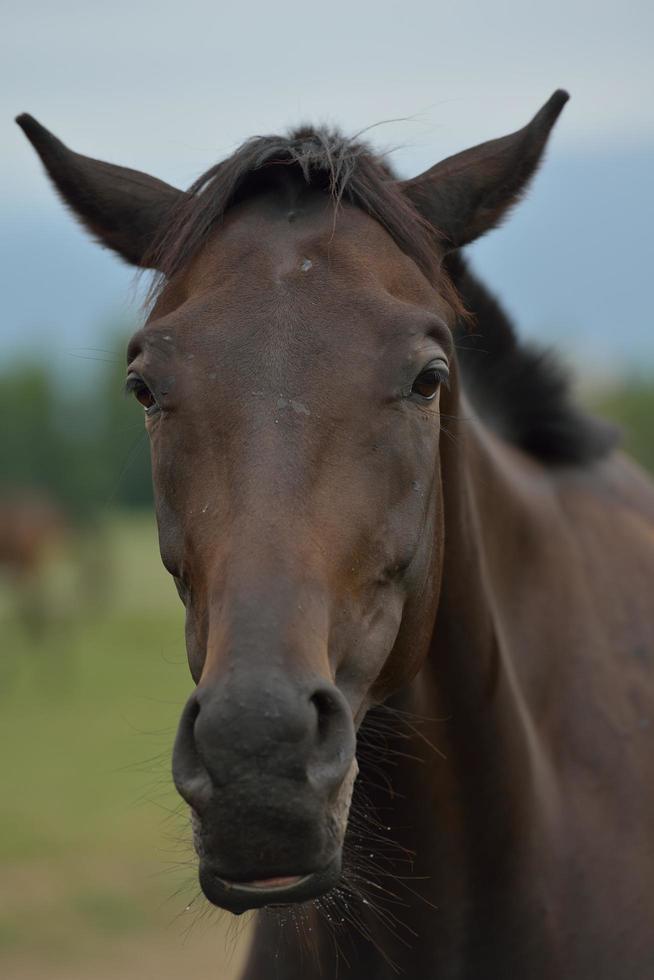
x,y
206,955
113,921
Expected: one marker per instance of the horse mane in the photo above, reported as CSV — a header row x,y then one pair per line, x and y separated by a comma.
x,y
519,390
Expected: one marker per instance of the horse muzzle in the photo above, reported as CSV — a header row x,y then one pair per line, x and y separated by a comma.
x,y
268,771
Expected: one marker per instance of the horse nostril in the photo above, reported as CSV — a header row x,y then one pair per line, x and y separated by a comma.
x,y
326,708
299,735
335,741
189,772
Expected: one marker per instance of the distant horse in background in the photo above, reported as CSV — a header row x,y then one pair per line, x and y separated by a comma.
x,y
404,553
33,527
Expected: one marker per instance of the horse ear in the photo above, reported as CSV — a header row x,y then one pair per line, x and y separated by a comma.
x,y
469,193
123,208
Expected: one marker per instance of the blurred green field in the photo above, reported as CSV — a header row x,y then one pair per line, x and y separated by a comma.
x,y
95,849
630,405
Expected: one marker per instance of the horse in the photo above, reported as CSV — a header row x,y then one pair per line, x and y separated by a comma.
x,y
31,525
417,577
33,528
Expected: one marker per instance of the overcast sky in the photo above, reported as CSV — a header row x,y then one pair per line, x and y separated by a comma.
x,y
172,92
172,86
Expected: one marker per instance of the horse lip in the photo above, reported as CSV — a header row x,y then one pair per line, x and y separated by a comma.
x,y
239,896
278,885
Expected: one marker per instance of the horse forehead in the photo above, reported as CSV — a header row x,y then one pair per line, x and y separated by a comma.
x,y
298,287
312,239
302,274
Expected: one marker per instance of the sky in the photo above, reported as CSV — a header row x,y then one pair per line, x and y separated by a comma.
x,y
172,91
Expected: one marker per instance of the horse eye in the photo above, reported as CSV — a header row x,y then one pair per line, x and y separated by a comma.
x,y
144,396
142,393
428,382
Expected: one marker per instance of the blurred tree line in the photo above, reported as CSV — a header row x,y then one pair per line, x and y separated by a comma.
x,y
630,403
84,443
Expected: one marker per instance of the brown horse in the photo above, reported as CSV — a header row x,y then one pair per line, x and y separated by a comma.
x,y
385,516
33,529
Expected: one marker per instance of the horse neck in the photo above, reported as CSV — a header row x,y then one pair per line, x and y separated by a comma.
x,y
490,495
488,500
468,773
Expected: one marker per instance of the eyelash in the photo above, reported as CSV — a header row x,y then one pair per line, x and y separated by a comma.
x,y
441,376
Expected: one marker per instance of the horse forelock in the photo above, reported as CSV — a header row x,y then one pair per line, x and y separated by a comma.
x,y
325,160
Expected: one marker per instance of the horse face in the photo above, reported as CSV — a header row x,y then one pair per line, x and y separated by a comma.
x,y
292,378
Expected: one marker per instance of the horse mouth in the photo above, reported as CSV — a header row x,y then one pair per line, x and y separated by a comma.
x,y
240,896
269,866
263,884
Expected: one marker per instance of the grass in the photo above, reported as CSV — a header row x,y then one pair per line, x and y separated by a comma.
x,y
91,830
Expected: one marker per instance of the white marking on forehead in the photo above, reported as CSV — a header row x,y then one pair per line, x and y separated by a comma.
x,y
298,407
305,265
